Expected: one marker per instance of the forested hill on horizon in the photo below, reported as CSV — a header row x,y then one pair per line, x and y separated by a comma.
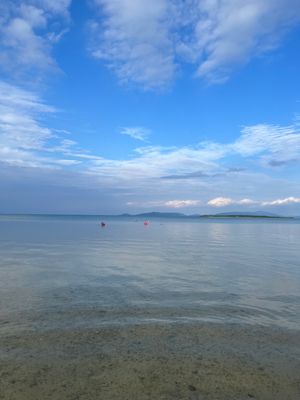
x,y
155,214
254,214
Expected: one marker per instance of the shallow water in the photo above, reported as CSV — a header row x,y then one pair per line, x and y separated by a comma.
x,y
180,309
65,272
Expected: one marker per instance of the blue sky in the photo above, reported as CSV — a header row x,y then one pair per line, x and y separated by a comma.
x,y
110,106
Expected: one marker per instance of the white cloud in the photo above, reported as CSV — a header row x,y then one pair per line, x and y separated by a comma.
x,y
181,203
268,145
227,201
66,162
246,202
155,162
282,202
56,7
144,41
24,138
166,203
28,30
278,144
19,127
230,32
134,40
136,132
220,202
204,170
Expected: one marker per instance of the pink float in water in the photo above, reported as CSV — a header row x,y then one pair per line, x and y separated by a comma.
x,y
146,223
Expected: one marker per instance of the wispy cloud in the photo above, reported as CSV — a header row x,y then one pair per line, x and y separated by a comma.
x,y
136,132
175,204
182,203
230,32
155,162
260,143
20,131
23,129
227,201
218,202
134,40
144,42
277,145
167,177
28,30
25,138
282,202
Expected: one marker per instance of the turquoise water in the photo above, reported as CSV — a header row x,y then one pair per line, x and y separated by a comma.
x,y
68,272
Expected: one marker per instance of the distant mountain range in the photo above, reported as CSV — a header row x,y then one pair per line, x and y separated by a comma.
x,y
235,214
262,214
156,214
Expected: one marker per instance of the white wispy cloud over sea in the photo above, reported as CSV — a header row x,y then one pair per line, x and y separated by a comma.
x,y
28,31
150,44
136,132
145,42
226,201
205,168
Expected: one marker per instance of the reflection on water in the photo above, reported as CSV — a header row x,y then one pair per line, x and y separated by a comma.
x,y
64,272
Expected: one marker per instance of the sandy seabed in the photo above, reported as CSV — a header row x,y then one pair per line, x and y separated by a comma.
x,y
152,361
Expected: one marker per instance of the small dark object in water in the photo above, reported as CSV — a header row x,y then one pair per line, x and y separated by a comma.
x,y
103,224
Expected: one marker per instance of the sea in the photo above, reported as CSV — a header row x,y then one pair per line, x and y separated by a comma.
x,y
68,275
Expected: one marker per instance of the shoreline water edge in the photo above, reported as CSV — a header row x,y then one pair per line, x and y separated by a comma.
x,y
173,311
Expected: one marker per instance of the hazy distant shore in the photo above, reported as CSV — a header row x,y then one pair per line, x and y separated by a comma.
x,y
150,215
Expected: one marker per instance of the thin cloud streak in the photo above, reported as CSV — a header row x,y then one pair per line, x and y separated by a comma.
x,y
28,141
175,204
182,203
282,202
258,143
136,132
25,140
21,112
226,201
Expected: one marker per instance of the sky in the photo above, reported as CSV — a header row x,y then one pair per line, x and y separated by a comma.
x,y
129,106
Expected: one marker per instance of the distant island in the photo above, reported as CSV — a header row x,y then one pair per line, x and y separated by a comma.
x,y
255,214
242,216
157,214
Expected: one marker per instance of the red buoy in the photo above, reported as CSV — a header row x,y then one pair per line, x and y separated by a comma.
x,y
146,223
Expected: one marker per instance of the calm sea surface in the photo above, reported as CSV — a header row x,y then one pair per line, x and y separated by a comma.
x,y
68,272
